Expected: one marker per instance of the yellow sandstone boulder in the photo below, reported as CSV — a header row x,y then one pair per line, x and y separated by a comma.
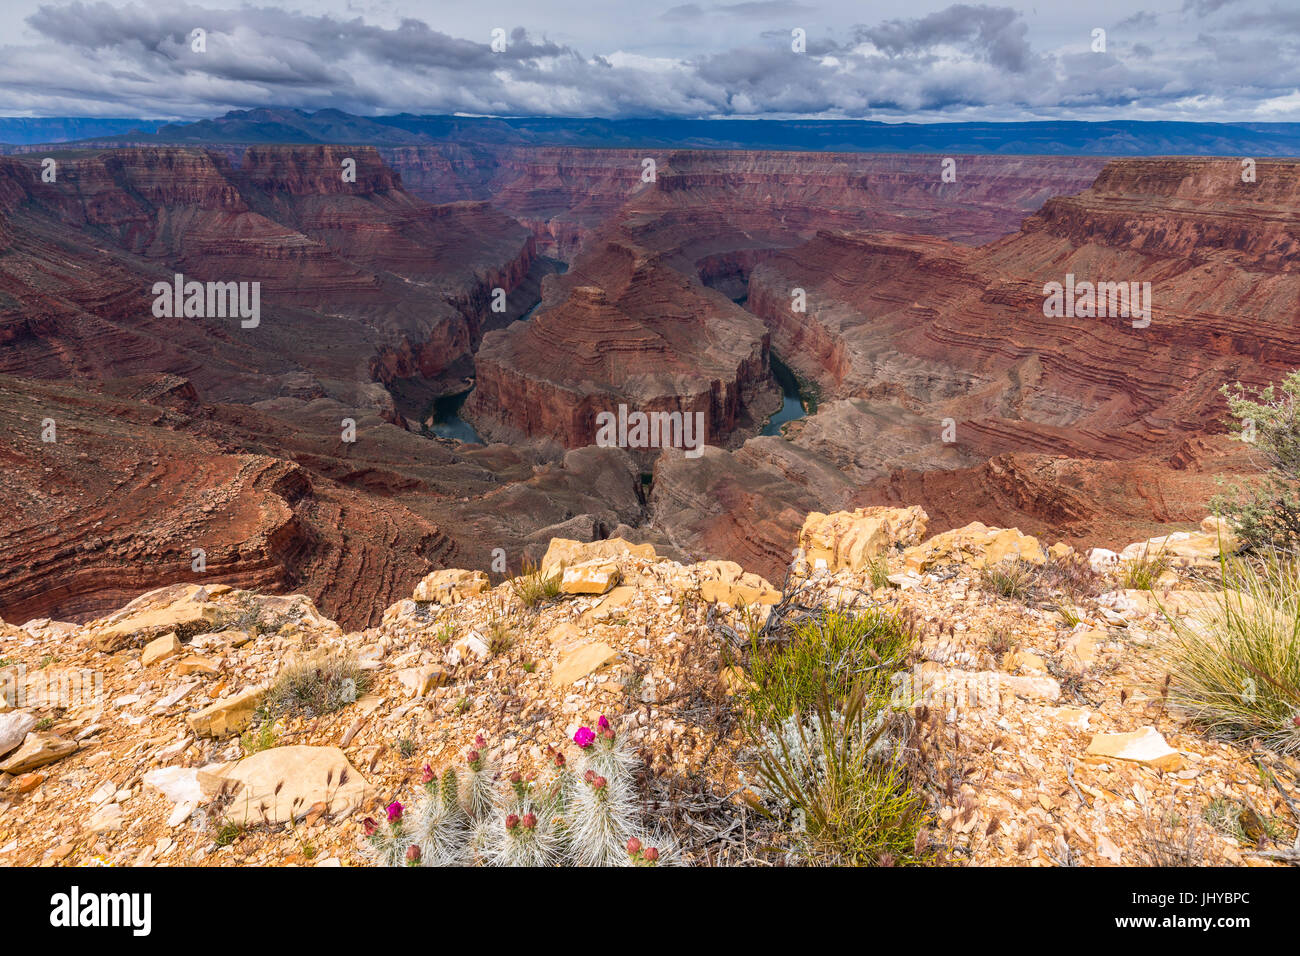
x,y
854,539
450,586
975,546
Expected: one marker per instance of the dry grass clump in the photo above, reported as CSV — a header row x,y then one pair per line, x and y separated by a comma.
x,y
1013,580
532,588
311,688
1169,838
1143,572
1235,666
1018,580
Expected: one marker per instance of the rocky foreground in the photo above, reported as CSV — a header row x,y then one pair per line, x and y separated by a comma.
x,y
142,738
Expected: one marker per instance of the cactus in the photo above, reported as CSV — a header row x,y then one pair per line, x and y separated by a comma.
x,y
587,818
476,795
438,825
600,820
386,843
519,839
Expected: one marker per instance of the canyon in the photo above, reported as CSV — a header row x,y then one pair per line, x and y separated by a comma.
x,y
937,378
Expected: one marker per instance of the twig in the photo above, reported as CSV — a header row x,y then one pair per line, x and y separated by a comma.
x,y
1069,773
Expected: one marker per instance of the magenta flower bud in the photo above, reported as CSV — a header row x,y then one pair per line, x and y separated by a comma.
x,y
394,811
427,775
479,742
603,723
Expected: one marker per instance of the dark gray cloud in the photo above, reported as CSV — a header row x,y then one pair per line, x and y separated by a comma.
x,y
996,34
732,59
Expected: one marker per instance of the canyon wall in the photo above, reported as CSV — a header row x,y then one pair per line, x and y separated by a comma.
x,y
941,380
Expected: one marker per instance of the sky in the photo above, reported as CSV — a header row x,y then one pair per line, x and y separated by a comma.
x,y
1199,60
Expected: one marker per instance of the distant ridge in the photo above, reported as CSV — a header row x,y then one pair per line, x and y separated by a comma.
x,y
1119,138
22,130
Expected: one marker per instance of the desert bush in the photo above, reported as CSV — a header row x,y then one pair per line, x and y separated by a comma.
x,y
311,688
827,747
1020,580
1235,666
827,655
1266,513
247,615
879,572
837,776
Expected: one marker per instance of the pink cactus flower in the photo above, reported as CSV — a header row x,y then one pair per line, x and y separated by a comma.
x,y
584,738
394,811
427,775
603,723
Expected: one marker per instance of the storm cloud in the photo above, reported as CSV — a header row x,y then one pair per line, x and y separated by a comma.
x,y
1211,59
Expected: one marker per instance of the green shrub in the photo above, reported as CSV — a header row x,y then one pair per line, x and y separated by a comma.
x,y
827,654
260,737
838,776
828,747
1267,512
